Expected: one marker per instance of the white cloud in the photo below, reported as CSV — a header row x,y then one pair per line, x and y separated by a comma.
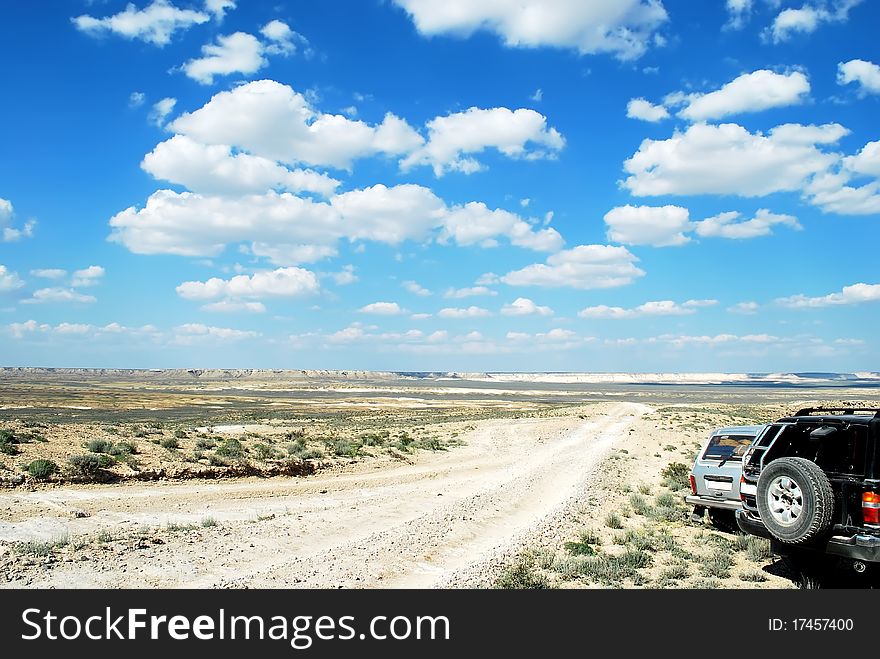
x,y
473,291
389,215
469,312
231,306
728,159
807,19
154,24
218,8
136,99
239,52
583,267
832,194
725,225
30,327
382,309
195,333
661,226
271,120
474,223
625,28
215,169
283,282
654,308
11,234
538,96
57,294
420,316
639,108
416,289
523,306
866,161
282,39
750,92
744,308
521,133
346,276
865,74
90,276
739,12
854,294
9,281
161,110
49,273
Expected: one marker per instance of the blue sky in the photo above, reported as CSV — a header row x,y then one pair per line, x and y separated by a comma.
x,y
441,185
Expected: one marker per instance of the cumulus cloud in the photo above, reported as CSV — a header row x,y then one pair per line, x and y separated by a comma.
x,y
472,291
750,92
625,28
744,308
866,162
639,108
807,19
155,24
523,306
78,330
654,308
215,169
416,289
345,277
661,226
271,120
469,312
583,267
728,159
474,223
283,282
9,281
521,133
239,52
725,225
289,229
196,333
90,276
382,309
848,295
865,74
218,8
58,294
234,306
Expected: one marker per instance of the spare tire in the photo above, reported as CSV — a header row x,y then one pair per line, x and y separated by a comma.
x,y
795,500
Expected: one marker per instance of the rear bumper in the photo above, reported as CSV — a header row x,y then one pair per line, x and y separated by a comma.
x,y
752,524
708,502
858,547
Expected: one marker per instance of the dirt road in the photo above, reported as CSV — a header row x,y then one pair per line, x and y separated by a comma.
x,y
414,525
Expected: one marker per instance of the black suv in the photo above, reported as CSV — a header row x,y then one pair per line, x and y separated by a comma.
x,y
810,484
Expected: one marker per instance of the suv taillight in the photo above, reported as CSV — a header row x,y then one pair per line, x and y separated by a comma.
x,y
871,508
693,484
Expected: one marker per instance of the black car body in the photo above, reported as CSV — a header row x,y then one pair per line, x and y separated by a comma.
x,y
811,484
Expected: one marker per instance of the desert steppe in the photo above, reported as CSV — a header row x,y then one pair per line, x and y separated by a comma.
x,y
159,479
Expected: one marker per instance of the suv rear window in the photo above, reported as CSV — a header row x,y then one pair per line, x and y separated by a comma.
x,y
727,447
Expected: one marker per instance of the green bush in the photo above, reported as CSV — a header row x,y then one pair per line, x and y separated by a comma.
x,y
87,464
8,440
676,476
613,521
374,438
345,448
124,448
42,468
522,575
98,445
205,444
170,443
263,452
180,434
639,504
310,454
430,444
230,448
296,446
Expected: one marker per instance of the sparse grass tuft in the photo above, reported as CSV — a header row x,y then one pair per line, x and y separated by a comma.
x,y
718,565
758,549
170,443
613,521
639,504
208,522
98,446
41,548
753,576
522,575
675,476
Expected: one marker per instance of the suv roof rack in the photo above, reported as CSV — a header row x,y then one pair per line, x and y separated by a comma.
x,y
809,411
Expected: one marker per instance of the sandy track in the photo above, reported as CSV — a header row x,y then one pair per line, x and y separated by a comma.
x,y
408,526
